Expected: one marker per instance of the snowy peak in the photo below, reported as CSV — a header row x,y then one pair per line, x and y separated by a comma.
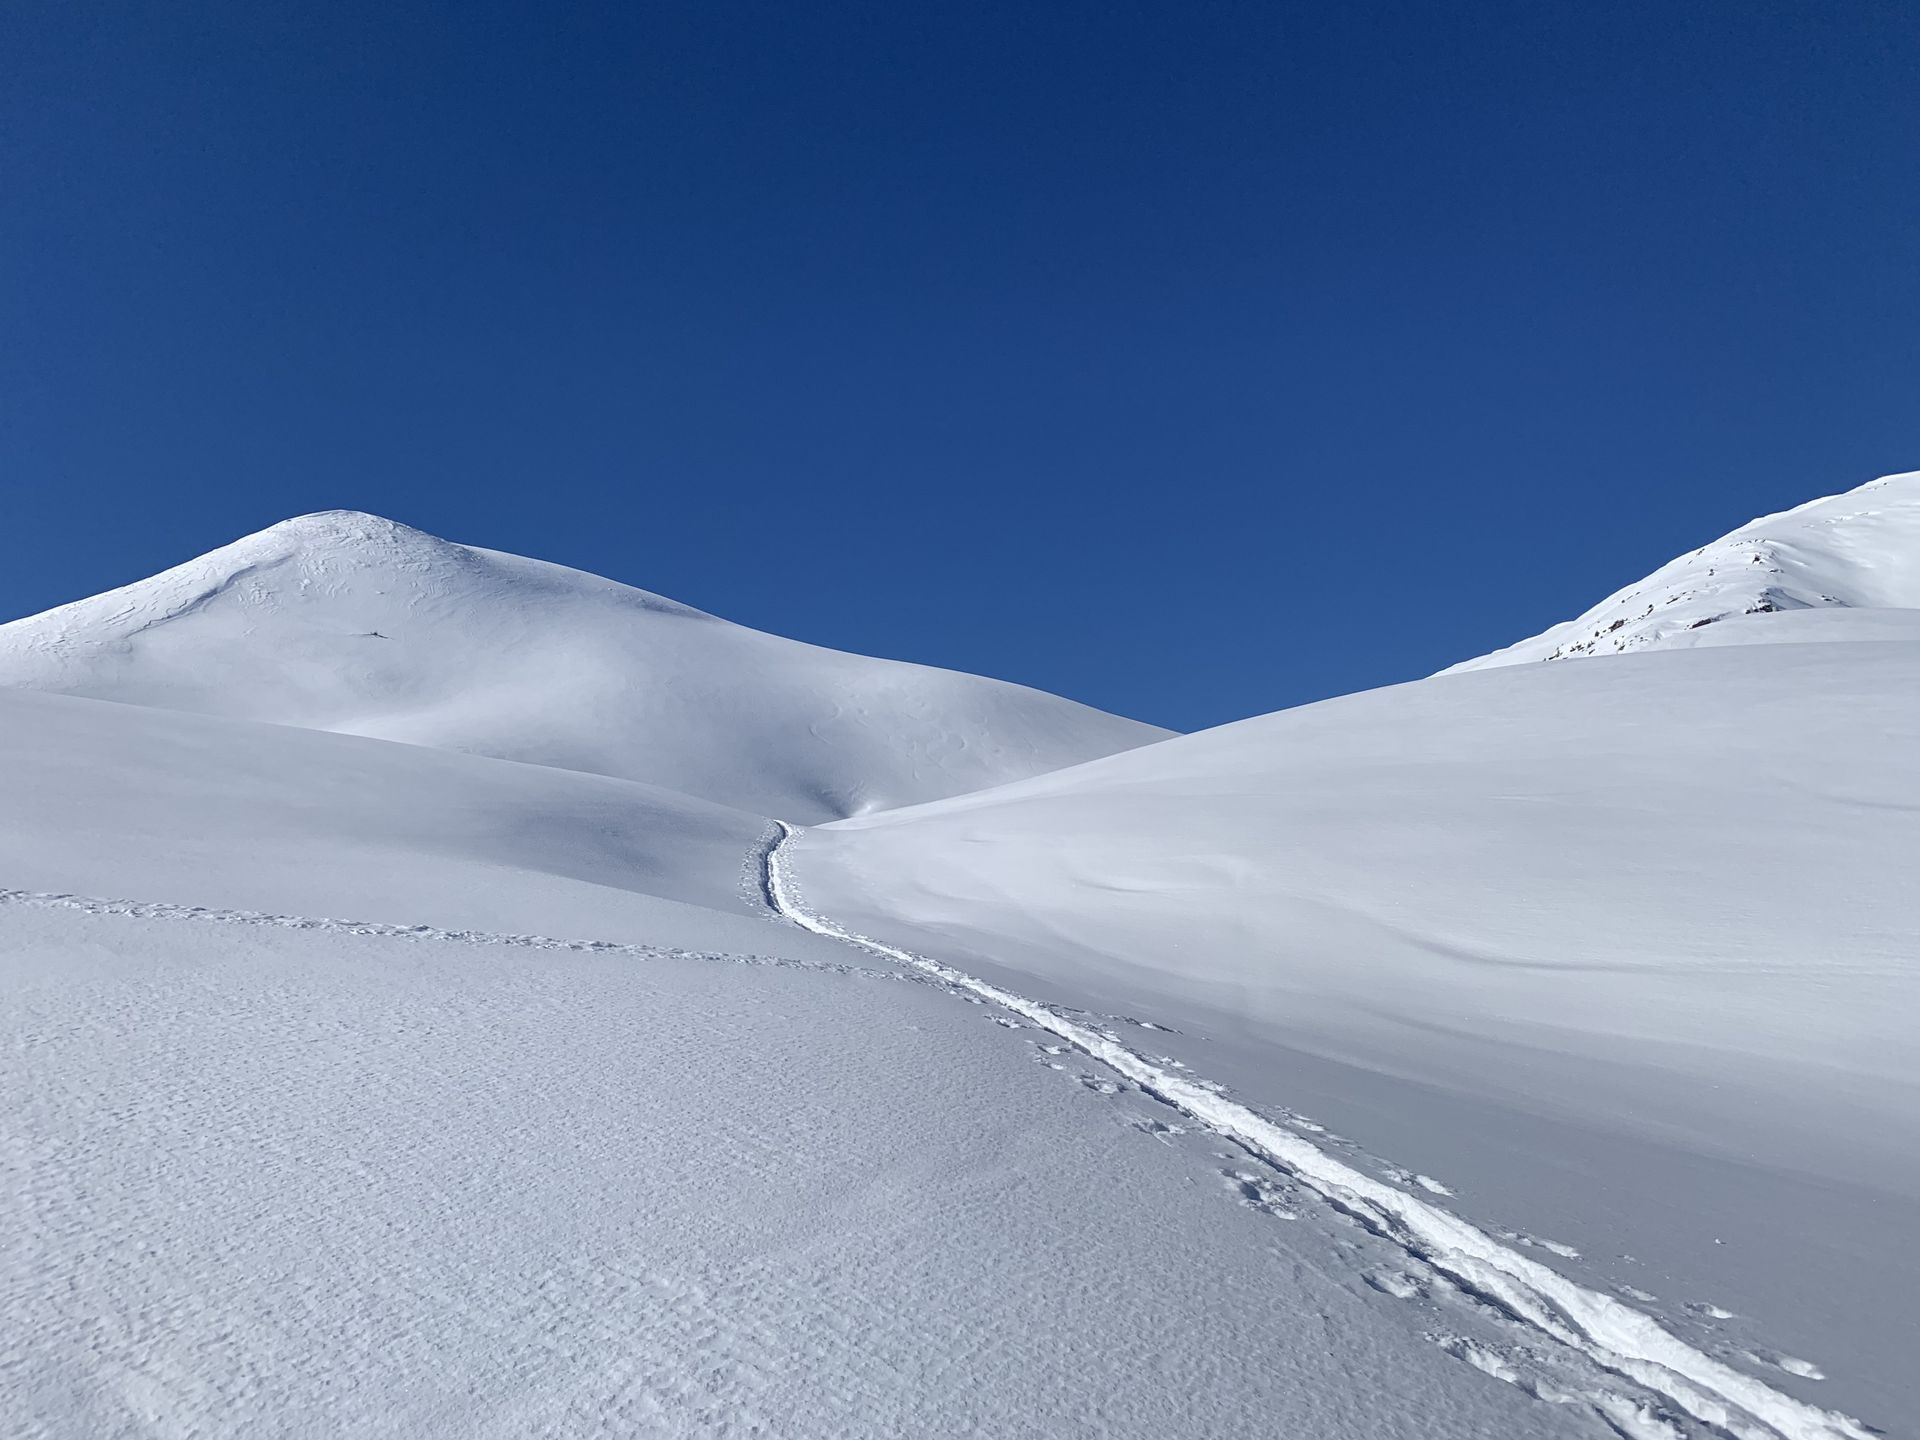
x,y
349,622
1855,552
335,554
339,529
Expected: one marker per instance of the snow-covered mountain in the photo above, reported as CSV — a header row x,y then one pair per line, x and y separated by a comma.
x,y
348,622
1853,559
1511,1053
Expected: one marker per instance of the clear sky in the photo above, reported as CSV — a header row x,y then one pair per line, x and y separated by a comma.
x,y
1192,360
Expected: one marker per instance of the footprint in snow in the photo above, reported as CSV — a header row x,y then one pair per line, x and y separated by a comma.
x,y
1397,1283
1792,1364
1256,1192
1140,1024
1534,1242
1413,1177
1161,1130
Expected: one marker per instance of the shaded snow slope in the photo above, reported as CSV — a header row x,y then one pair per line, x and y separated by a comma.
x,y
123,801
347,622
1851,553
1624,954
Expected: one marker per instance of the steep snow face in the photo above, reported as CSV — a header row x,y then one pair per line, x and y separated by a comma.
x,y
1857,552
347,622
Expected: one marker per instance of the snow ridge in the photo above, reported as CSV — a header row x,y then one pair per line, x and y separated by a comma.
x,y
1605,1331
351,623
1855,551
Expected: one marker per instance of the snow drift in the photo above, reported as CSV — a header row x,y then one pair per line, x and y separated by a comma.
x,y
347,622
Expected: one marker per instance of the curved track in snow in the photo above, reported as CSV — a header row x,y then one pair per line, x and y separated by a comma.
x,y
1594,1328
160,910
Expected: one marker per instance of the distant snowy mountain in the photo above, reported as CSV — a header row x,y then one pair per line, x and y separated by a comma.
x,y
1857,553
347,622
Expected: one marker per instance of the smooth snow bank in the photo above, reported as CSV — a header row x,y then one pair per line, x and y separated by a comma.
x,y
1856,552
125,802
1601,1330
347,622
1625,954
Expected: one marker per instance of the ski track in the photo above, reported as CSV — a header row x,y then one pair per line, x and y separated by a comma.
x,y
1589,1326
158,910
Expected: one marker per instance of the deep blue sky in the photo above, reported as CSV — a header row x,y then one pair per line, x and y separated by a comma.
x,y
1189,359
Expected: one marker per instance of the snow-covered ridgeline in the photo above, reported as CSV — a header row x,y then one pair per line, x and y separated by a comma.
x,y
1855,551
352,623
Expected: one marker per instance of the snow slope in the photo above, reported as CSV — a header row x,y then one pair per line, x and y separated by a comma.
x,y
534,1121
1512,1053
129,802
1625,955
347,622
1857,554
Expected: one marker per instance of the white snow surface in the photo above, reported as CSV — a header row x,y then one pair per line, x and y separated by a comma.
x,y
1608,1332
1625,955
1524,1052
1857,554
347,622
129,802
534,1121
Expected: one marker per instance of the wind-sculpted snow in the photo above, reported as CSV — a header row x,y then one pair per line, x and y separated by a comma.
x,y
347,622
1623,954
1613,1335
1857,554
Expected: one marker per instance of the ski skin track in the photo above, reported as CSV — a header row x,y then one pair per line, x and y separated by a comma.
x,y
1606,1331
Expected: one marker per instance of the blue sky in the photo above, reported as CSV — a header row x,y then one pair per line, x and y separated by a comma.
x,y
1190,360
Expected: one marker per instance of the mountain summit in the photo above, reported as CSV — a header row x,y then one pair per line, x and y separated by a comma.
x,y
349,622
1858,552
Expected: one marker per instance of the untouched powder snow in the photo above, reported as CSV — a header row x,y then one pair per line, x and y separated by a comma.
x,y
1857,554
1623,954
347,622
